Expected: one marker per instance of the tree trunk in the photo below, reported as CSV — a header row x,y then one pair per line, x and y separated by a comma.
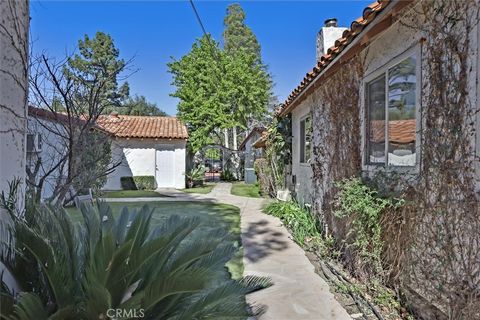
x,y
225,133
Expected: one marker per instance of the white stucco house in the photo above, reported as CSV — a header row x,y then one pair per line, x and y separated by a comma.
x,y
14,22
146,146
141,146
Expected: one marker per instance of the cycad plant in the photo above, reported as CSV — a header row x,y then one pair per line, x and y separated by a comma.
x,y
93,270
195,176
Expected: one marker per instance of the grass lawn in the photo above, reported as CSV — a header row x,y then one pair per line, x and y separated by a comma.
x,y
203,189
245,190
212,216
131,194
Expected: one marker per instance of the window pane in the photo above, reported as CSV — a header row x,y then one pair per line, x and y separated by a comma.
x,y
302,141
376,120
308,139
401,113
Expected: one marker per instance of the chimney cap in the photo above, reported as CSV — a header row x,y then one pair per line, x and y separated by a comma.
x,y
114,114
332,22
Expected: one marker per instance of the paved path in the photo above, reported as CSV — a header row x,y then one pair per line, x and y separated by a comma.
x,y
298,293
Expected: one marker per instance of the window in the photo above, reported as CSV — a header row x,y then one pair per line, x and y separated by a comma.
x,y
305,140
391,115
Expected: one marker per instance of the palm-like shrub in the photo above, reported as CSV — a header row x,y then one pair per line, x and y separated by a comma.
x,y
195,176
80,271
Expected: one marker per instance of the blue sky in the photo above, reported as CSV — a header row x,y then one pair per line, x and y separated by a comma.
x,y
154,31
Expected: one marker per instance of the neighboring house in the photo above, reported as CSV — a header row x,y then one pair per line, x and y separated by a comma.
x,y
141,146
395,99
250,153
14,26
45,147
146,146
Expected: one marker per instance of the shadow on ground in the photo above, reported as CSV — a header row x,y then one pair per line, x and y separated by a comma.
x,y
259,241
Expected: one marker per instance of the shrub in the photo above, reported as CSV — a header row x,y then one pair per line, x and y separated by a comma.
x,y
264,175
79,271
195,176
138,183
144,182
363,205
298,219
227,175
127,183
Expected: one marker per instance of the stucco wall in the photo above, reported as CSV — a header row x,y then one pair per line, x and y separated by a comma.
x,y
14,19
53,149
301,171
138,158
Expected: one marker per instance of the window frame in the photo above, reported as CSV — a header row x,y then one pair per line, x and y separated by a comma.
x,y
374,75
303,141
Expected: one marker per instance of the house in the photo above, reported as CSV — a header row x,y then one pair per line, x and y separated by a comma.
x,y
14,22
146,146
250,153
141,146
395,99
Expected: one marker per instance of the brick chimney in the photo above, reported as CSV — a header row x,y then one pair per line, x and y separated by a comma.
x,y
327,35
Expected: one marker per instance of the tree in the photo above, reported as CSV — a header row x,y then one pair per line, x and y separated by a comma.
x,y
139,106
250,84
200,85
75,91
237,36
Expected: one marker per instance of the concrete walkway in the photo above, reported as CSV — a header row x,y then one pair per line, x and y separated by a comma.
x,y
298,293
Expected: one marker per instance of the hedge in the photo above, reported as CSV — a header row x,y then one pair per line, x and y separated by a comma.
x,y
138,183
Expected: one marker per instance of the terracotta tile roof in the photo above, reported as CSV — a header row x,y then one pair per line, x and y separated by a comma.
x,y
48,115
399,131
123,126
369,14
250,134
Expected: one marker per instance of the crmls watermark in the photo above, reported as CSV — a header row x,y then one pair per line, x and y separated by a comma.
x,y
125,313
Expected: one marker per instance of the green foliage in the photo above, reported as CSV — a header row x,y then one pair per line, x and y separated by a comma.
x,y
238,37
363,205
139,106
197,78
227,175
138,183
144,182
98,63
212,154
79,271
127,183
195,176
220,89
299,220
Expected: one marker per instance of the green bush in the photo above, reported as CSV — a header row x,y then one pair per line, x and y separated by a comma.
x,y
227,175
138,183
144,182
127,183
298,219
72,270
363,205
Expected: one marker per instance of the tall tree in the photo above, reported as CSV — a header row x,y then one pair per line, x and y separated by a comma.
x,y
200,85
237,36
139,106
250,83
76,91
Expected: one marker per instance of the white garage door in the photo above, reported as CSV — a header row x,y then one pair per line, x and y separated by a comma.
x,y
165,166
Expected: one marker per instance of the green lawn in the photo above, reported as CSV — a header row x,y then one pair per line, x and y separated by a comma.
x,y
212,215
131,194
203,189
245,190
